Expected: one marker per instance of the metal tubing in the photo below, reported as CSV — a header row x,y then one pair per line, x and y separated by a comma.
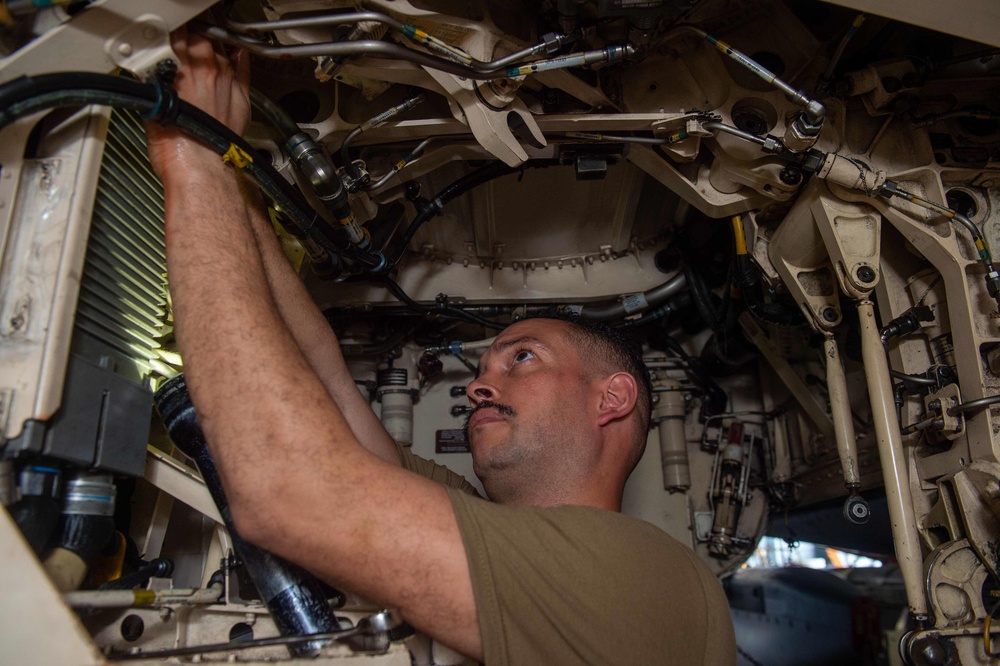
x,y
366,47
894,472
735,131
361,17
140,598
840,407
813,108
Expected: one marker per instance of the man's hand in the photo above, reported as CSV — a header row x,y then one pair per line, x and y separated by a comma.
x,y
215,84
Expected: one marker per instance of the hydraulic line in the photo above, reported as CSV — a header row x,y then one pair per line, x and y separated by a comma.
x,y
398,166
839,51
459,187
313,163
442,309
891,189
368,47
382,622
274,113
746,277
375,121
551,43
974,405
814,111
637,302
735,131
27,95
617,138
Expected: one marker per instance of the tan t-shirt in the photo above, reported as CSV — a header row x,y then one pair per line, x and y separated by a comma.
x,y
579,585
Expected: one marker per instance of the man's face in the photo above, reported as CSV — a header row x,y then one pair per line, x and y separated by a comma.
x,y
531,402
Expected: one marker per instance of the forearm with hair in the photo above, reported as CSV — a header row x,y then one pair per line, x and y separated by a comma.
x,y
312,332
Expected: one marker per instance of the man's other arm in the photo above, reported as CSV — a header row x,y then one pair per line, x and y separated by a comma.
x,y
314,335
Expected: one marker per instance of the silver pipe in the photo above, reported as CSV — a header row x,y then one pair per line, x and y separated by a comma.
x,y
365,47
594,136
142,598
814,110
549,46
639,302
398,166
894,470
735,131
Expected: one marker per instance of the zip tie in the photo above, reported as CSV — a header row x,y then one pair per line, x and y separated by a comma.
x,y
238,157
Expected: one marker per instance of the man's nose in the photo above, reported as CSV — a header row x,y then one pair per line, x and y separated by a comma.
x,y
478,390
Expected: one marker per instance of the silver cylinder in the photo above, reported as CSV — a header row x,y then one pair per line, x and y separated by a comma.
x,y
90,494
669,418
397,404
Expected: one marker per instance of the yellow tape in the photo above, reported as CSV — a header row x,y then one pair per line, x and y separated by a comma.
x,y
236,156
144,597
5,16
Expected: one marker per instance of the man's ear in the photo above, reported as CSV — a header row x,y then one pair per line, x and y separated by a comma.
x,y
619,397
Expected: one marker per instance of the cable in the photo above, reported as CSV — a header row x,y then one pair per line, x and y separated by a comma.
x,y
274,113
913,379
974,405
839,51
459,187
442,308
375,121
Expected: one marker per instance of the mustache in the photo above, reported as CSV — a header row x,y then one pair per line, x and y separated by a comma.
x,y
503,409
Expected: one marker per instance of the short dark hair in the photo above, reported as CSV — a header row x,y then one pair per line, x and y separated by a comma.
x,y
619,350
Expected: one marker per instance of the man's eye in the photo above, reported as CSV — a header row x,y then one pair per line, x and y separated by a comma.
x,y
523,355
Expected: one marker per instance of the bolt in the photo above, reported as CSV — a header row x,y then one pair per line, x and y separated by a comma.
x,y
790,175
830,314
865,274
125,49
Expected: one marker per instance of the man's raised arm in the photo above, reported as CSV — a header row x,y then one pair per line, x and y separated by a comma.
x,y
288,458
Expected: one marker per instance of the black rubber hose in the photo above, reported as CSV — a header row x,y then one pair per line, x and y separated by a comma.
x,y
38,518
29,94
442,310
294,597
86,535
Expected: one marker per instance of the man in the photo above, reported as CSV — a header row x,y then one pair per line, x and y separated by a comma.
x,y
547,574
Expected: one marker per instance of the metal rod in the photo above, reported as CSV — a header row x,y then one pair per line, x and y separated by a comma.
x,y
894,471
840,407
735,131
142,598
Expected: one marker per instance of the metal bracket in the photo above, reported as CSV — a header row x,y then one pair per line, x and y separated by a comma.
x,y
492,129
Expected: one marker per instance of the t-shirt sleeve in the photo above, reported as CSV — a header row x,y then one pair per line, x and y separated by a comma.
x,y
577,585
431,470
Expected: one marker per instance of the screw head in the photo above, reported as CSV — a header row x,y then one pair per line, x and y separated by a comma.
x,y
865,274
830,314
